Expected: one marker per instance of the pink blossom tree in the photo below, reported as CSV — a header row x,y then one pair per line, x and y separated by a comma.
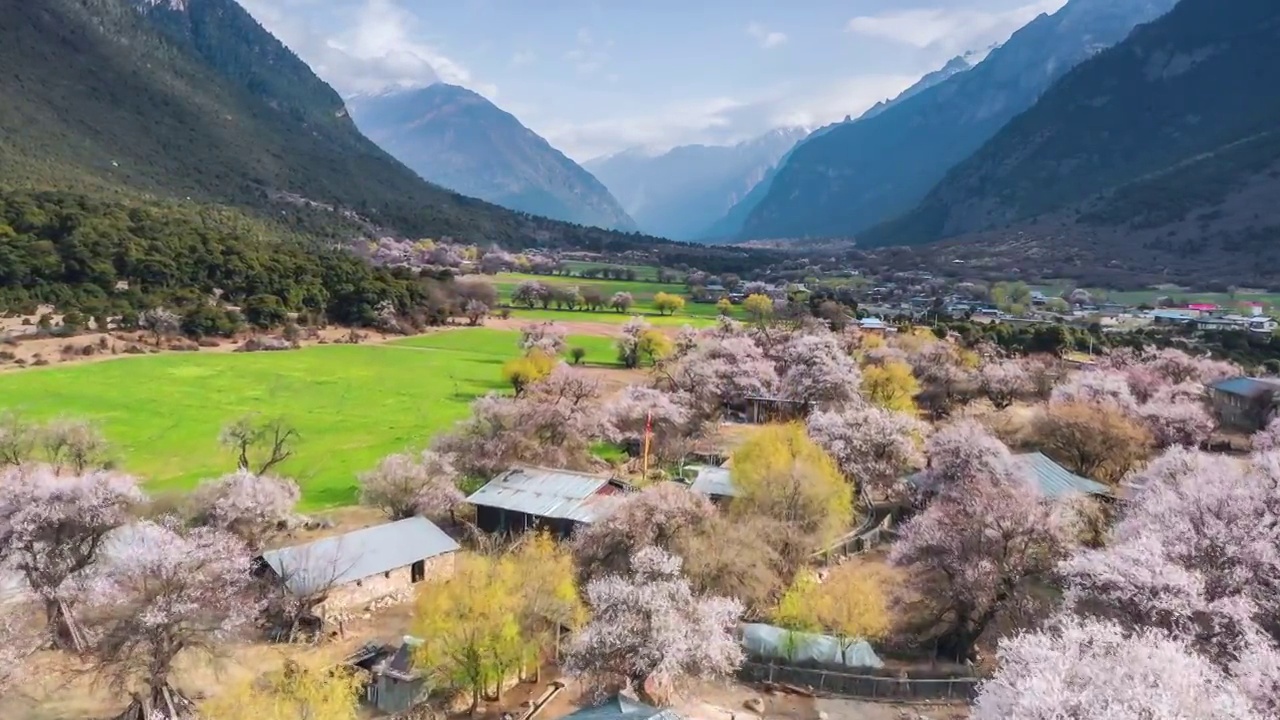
x,y
1268,438
1089,669
18,641
546,337
1177,367
553,423
51,530
943,377
1196,552
815,369
1177,422
961,453
648,630
162,592
1004,381
657,516
1097,386
721,371
408,484
873,447
253,507
667,414
530,293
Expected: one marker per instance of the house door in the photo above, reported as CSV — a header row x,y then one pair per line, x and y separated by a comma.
x,y
418,571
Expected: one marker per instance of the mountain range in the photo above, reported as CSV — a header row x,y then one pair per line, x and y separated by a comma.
x,y
1163,151
456,138
729,226
194,101
864,172
681,192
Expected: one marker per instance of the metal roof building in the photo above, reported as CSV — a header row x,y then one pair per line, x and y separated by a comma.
x,y
620,707
1048,477
1247,386
714,481
525,497
357,555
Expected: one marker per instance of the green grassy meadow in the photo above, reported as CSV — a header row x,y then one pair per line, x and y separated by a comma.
x,y
352,404
641,291
1137,297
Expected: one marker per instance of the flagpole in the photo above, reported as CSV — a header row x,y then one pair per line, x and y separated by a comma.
x,y
648,433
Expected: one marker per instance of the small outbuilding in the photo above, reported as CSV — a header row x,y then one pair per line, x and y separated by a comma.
x,y
363,565
1049,478
528,498
714,482
621,707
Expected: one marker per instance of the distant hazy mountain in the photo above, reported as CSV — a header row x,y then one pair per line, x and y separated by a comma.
x,y
679,193
730,224
1169,142
453,137
864,172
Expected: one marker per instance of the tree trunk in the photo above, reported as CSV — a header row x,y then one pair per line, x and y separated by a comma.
x,y
63,628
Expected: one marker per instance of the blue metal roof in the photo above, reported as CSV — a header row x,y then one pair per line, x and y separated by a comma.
x,y
357,555
619,707
548,493
712,480
1048,477
1247,386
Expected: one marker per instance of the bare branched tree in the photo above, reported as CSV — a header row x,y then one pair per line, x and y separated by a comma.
x,y
17,439
74,444
259,444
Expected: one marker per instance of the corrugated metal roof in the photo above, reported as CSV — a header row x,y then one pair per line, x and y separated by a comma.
x,y
619,707
548,493
1050,478
712,480
357,555
1247,386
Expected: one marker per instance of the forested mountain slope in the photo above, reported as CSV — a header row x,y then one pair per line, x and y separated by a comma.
x,y
194,99
1182,118
865,172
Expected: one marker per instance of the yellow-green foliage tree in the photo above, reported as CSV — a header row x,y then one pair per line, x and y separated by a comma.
x,y
654,345
307,687
668,303
783,475
495,614
850,604
892,386
759,308
724,307
527,369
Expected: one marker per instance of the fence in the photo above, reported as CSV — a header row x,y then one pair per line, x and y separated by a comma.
x,y
864,539
865,687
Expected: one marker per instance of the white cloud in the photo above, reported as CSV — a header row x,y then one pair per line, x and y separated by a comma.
x,y
588,56
377,48
722,120
950,29
523,57
768,39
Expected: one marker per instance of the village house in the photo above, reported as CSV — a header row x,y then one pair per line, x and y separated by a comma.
x,y
527,498
714,482
364,565
1245,403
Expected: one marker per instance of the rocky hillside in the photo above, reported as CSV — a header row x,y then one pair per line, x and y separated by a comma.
x,y
194,100
455,138
865,172
681,192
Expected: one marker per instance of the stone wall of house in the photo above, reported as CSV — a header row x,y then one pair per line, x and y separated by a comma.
x,y
400,580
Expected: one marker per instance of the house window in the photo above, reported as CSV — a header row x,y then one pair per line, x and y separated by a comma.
x,y
418,571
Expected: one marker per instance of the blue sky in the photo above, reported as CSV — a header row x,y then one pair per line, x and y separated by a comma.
x,y
599,76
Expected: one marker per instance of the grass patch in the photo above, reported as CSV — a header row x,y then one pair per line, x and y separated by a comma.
x,y
614,318
503,344
647,273
352,405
